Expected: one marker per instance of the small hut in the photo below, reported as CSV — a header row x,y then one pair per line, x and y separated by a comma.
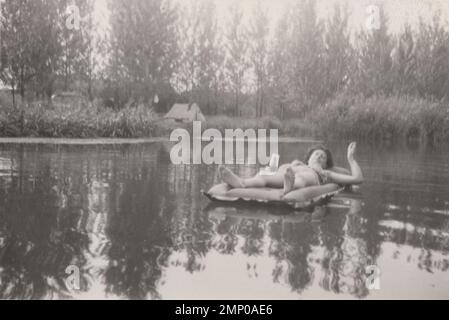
x,y
185,113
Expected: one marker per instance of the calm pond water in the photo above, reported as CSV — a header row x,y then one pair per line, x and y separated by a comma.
x,y
138,227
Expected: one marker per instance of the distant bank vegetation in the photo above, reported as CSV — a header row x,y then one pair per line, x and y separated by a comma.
x,y
307,76
374,119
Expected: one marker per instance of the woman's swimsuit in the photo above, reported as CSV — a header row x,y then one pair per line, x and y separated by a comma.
x,y
322,177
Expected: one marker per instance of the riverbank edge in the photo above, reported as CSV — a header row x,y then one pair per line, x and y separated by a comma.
x,y
117,141
376,119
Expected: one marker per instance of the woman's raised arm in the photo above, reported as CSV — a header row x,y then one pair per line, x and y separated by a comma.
x,y
340,170
355,176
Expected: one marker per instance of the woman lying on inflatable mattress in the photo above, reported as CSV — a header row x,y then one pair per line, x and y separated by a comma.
x,y
318,170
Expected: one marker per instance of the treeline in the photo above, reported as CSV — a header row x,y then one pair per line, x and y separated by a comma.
x,y
159,51
41,50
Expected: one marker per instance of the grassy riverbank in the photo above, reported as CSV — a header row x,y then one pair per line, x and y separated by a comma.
x,y
80,122
373,119
393,118
376,118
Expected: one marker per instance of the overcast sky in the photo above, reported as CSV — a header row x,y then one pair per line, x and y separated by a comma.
x,y
398,11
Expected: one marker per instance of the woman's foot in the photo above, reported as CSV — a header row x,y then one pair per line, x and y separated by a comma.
x,y
230,178
289,180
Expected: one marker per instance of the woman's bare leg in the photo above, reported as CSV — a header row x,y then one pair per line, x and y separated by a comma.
x,y
289,180
274,181
230,177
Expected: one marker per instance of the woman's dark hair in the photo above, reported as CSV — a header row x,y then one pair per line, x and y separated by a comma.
x,y
329,162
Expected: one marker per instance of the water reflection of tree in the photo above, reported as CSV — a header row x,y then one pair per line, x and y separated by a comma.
x,y
55,211
252,232
139,232
345,257
299,238
333,249
38,241
278,249
191,228
430,240
226,240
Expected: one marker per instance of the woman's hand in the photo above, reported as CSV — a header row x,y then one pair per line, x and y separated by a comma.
x,y
351,150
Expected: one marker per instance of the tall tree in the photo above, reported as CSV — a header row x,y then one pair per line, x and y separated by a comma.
x,y
236,54
432,59
374,58
307,55
279,62
17,44
143,45
258,33
50,17
88,62
404,63
209,54
78,46
187,72
201,59
339,53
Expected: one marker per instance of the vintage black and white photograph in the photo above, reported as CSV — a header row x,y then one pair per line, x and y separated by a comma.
x,y
224,150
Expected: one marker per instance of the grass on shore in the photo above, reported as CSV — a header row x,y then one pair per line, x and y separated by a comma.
x,y
380,118
345,116
373,119
80,122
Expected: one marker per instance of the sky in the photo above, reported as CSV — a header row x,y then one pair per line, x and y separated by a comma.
x,y
398,11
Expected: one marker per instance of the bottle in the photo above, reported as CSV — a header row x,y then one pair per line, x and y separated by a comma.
x,y
272,167
274,162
